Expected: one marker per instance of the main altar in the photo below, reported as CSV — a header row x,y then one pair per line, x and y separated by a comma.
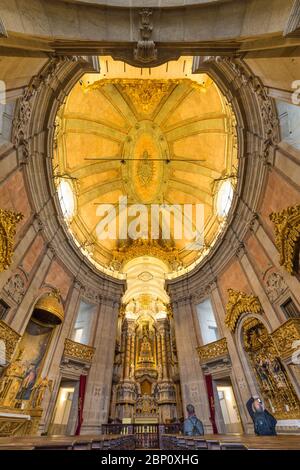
x,y
146,387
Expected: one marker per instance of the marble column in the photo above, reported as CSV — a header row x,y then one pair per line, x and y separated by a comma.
x,y
159,355
123,349
164,351
132,353
193,388
98,392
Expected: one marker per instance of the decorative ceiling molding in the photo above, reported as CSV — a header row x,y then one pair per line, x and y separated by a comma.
x,y
239,303
292,28
142,247
287,236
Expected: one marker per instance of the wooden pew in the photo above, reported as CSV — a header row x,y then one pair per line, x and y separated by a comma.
x,y
231,442
93,442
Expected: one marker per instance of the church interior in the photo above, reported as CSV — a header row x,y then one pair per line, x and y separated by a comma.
x,y
149,223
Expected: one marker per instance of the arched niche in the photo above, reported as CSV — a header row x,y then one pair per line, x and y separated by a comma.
x,y
23,386
265,370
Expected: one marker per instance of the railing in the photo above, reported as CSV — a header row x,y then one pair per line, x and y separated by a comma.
x,y
146,436
78,352
213,350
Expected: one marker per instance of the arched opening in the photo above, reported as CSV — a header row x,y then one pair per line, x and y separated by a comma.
x,y
23,385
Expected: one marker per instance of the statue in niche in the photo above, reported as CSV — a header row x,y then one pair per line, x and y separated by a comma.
x,y
145,351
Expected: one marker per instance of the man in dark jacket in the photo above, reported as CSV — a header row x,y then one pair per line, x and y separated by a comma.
x,y
264,422
192,426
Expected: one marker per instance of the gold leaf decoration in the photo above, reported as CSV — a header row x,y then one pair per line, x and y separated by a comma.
x,y
239,303
213,350
145,94
286,335
10,338
145,247
287,235
8,223
79,352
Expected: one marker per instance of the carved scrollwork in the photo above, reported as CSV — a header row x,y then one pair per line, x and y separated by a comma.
x,y
145,51
239,303
213,350
78,352
15,287
287,236
286,335
25,105
10,338
13,427
275,286
8,224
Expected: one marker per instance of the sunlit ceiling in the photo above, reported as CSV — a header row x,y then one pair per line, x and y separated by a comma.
x,y
156,136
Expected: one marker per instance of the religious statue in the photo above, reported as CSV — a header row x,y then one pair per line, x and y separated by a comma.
x,y
28,383
145,351
39,390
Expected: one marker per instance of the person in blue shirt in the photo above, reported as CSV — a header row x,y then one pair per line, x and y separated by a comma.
x,y
192,426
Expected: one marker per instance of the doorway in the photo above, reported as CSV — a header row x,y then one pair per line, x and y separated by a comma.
x,y
228,409
65,411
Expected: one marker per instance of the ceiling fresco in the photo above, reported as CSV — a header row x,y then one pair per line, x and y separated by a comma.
x,y
157,136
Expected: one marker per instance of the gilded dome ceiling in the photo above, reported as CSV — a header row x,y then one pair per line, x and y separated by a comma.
x,y
154,136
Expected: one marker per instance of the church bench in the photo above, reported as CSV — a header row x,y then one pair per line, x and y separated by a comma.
x,y
232,442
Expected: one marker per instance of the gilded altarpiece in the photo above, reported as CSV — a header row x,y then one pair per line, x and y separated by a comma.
x,y
274,383
145,384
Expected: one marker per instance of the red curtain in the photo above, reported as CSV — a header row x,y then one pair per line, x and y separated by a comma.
x,y
82,386
211,400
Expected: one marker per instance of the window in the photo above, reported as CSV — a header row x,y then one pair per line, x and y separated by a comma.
x,y
289,116
84,323
290,309
224,198
207,322
4,308
66,198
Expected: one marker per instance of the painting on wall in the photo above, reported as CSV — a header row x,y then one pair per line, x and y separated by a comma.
x,y
31,352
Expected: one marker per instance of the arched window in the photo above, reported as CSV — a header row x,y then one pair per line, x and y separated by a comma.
x,y
66,198
224,198
207,322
